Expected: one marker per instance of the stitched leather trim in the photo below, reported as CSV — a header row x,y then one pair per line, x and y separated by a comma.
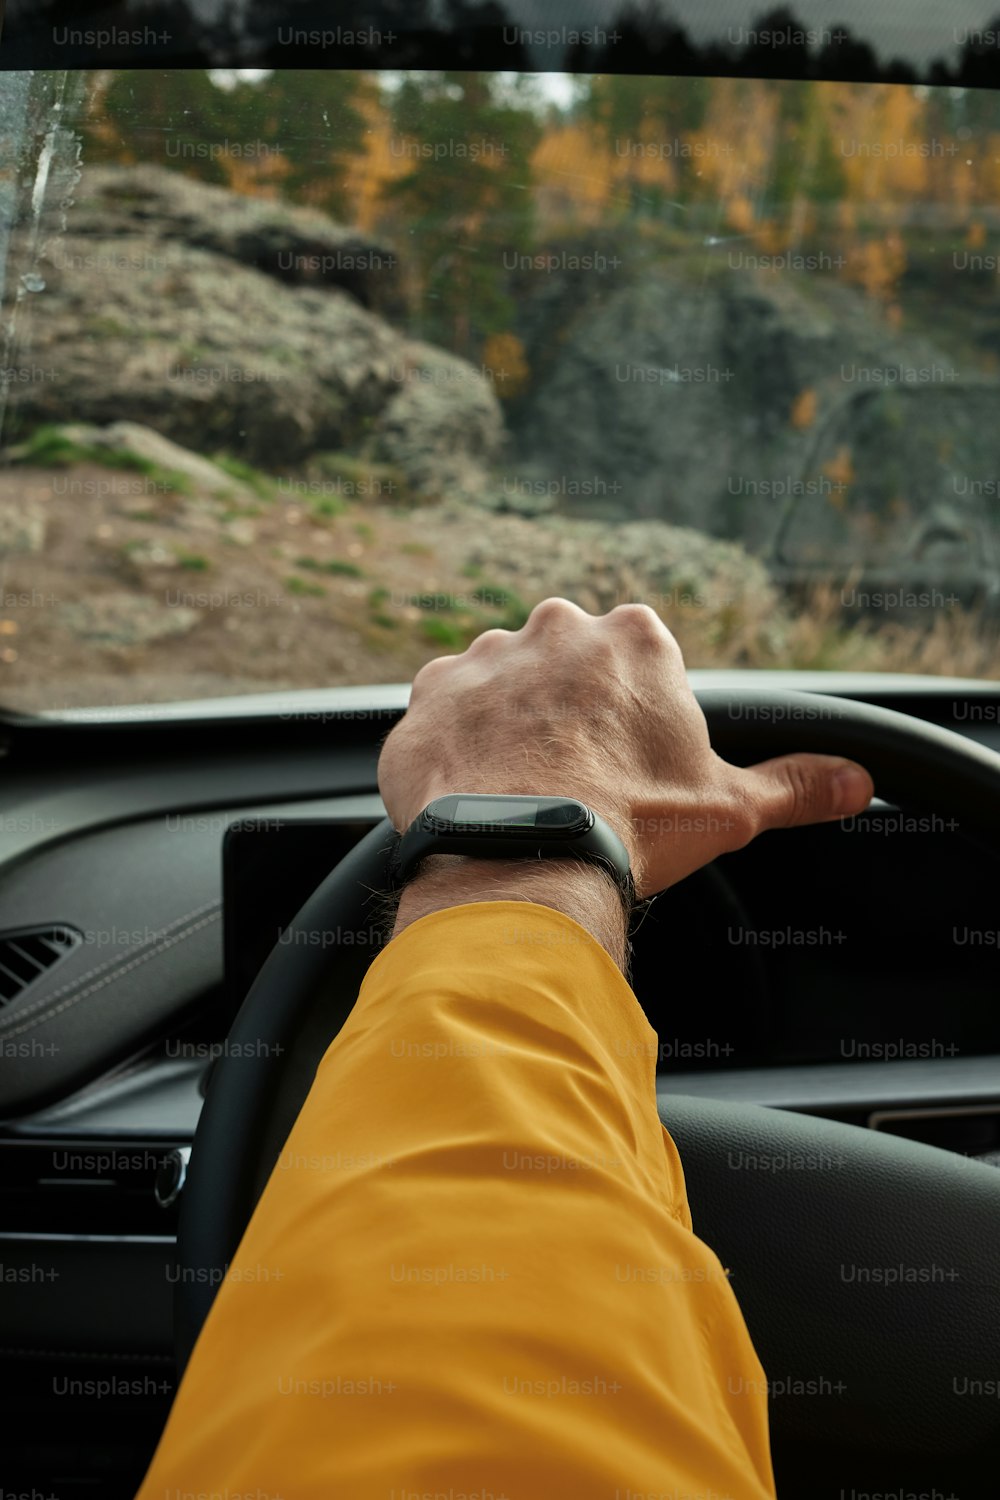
x,y
117,970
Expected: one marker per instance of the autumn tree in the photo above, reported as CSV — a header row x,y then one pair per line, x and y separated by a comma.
x,y
466,198
807,171
648,128
317,120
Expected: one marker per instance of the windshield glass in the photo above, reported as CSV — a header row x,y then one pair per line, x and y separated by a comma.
x,y
311,376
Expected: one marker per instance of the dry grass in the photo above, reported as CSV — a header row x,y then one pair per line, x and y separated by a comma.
x,y
811,629
816,632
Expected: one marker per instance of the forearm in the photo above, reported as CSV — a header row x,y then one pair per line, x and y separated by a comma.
x,y
581,891
446,1285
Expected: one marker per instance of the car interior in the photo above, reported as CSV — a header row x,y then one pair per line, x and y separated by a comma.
x,y
187,912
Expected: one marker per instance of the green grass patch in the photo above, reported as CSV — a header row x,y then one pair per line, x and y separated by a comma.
x,y
261,484
325,505
106,328
282,355
378,615
304,587
514,610
351,478
444,633
471,611
194,562
51,447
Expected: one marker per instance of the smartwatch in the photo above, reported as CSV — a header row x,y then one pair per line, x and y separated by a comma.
x,y
494,827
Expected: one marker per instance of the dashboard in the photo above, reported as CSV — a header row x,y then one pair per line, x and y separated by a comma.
x,y
848,971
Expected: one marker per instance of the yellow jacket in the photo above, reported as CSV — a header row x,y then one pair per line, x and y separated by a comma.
x,y
472,1274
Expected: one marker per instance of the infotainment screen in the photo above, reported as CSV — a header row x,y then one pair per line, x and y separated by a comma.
x,y
270,868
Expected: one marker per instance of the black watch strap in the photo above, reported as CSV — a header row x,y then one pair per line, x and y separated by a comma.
x,y
497,827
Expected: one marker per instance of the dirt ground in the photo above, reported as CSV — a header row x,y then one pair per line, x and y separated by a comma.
x,y
116,590
113,595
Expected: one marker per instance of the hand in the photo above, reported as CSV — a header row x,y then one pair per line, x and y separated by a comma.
x,y
600,708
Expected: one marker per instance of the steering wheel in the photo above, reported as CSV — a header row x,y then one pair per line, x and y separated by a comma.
x,y
897,1353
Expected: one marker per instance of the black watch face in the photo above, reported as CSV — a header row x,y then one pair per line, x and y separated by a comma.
x,y
474,814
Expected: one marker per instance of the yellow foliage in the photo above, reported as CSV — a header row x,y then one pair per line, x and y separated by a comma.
x,y
878,264
370,172
573,175
803,413
256,176
740,213
505,364
880,126
839,470
771,238
846,214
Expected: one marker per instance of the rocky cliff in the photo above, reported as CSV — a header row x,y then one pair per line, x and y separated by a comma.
x,y
782,410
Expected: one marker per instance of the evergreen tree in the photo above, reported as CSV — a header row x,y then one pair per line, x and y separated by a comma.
x,y
162,117
467,198
186,121
632,113
807,168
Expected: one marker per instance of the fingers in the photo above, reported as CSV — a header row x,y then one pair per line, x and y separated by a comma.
x,y
793,790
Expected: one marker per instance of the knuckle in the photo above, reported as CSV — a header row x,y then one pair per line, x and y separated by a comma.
x,y
643,621
555,611
637,614
429,673
488,640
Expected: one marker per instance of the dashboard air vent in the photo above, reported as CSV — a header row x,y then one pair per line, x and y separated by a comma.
x,y
26,956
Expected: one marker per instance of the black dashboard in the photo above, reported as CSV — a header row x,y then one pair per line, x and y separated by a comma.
x,y
848,970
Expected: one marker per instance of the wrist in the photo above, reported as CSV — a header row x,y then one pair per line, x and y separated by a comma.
x,y
584,891
601,802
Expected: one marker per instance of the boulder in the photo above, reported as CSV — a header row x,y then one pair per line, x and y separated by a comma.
x,y
441,424
22,529
156,310
301,246
117,620
668,567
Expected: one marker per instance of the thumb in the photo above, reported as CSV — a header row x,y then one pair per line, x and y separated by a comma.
x,y
796,789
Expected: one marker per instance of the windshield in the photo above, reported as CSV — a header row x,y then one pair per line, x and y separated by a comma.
x,y
309,377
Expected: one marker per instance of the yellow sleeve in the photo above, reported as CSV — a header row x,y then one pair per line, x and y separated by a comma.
x,y
472,1272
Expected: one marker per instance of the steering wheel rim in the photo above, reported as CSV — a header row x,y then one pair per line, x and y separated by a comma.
x,y
913,764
